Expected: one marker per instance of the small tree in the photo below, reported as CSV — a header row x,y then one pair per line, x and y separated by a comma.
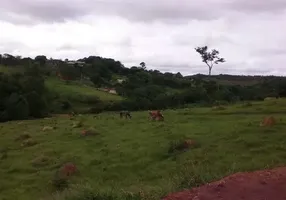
x,y
41,59
143,65
210,58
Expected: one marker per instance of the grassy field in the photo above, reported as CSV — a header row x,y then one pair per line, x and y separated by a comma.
x,y
75,90
132,156
5,69
72,90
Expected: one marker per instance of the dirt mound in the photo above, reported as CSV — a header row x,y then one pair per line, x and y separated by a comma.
x,y
268,121
68,169
266,185
89,132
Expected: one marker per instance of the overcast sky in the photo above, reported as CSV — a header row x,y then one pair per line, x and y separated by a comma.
x,y
250,34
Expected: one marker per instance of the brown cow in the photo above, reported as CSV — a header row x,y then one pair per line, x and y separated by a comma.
x,y
156,115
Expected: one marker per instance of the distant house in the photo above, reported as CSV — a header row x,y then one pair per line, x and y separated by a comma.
x,y
79,63
120,80
112,91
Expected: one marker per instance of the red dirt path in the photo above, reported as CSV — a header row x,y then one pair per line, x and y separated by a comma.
x,y
259,185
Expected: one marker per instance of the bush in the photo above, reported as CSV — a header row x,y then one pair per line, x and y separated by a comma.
x,y
17,107
65,105
22,95
37,104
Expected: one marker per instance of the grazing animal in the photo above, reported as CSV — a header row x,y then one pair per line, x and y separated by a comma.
x,y
156,115
126,114
72,114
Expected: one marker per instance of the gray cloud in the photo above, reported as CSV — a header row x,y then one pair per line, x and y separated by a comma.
x,y
257,5
171,11
43,10
60,10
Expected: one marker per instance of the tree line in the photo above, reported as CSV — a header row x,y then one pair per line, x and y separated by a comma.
x,y
24,95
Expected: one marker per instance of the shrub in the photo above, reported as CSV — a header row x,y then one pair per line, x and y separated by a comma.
x,y
65,105
17,107
37,104
22,95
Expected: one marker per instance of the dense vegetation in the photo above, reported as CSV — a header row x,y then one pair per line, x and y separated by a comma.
x,y
22,95
140,88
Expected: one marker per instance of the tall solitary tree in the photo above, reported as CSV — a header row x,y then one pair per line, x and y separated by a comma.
x,y
209,57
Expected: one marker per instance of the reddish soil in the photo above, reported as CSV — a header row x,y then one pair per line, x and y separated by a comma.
x,y
259,185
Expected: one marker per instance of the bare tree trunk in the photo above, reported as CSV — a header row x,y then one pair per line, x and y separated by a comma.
x,y
210,71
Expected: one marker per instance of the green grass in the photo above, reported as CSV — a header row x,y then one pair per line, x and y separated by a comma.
x,y
132,155
5,69
72,90
75,90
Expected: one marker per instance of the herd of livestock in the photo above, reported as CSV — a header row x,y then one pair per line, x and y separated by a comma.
x,y
153,115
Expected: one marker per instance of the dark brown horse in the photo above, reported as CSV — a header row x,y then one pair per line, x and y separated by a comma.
x,y
127,114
